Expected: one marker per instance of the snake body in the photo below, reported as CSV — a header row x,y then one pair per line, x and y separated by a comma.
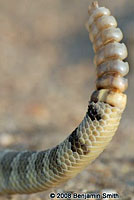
x,y
35,171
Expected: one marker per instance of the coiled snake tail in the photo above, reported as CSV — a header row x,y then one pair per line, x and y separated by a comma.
x,y
29,172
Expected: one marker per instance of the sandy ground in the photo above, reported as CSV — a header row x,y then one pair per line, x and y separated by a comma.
x,y
47,76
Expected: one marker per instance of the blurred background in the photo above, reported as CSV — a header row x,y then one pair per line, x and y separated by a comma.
x,y
46,78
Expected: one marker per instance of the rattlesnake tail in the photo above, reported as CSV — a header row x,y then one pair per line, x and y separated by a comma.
x,y
35,171
109,56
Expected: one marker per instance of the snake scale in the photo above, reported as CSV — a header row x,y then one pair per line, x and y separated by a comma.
x,y
34,171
